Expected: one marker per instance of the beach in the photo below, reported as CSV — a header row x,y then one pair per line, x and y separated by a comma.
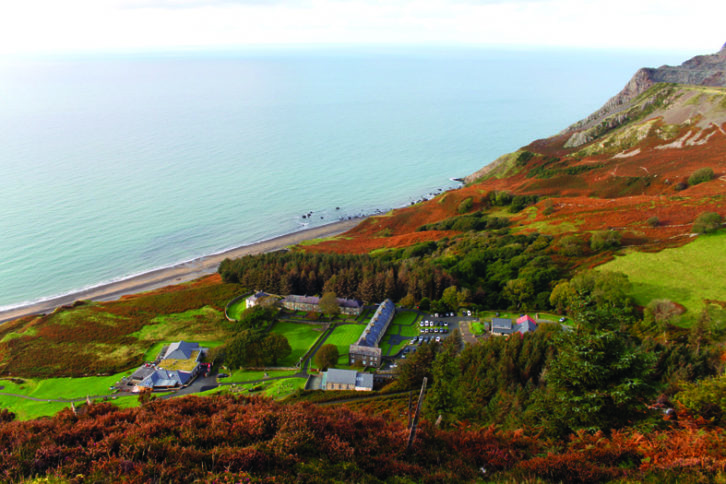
x,y
178,273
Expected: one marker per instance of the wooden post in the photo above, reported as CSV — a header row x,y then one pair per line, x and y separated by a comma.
x,y
410,409
417,413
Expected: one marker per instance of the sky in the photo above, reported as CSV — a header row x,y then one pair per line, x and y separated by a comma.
x,y
48,26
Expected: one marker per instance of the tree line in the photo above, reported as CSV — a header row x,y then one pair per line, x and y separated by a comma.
x,y
489,269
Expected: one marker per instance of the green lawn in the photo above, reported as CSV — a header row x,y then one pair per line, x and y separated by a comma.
x,y
52,388
236,309
240,376
301,337
404,318
389,350
278,389
686,275
477,327
344,336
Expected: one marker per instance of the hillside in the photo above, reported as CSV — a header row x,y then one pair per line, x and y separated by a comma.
x,y
627,163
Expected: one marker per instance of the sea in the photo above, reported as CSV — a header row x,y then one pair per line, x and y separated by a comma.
x,y
115,164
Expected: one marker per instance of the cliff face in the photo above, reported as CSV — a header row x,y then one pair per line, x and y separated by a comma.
x,y
702,70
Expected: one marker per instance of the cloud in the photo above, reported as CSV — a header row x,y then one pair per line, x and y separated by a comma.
x,y
50,25
184,4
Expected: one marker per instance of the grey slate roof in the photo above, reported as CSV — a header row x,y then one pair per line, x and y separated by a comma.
x,y
165,378
378,324
345,377
141,373
364,380
181,350
314,300
502,326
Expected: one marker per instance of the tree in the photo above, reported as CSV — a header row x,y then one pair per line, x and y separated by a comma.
x,y
329,304
701,175
276,347
519,292
706,222
445,397
450,298
327,357
562,296
243,350
257,317
417,366
598,380
255,349
571,246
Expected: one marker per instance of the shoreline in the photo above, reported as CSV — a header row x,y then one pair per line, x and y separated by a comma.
x,y
178,273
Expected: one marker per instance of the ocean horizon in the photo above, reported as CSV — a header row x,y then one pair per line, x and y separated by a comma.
x,y
117,165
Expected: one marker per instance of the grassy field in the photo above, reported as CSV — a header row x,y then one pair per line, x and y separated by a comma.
x,y
301,338
241,376
276,389
193,325
686,275
52,388
236,309
342,337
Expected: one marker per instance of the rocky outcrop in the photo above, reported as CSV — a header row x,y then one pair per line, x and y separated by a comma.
x,y
703,70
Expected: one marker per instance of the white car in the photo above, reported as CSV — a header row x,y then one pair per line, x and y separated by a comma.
x,y
438,339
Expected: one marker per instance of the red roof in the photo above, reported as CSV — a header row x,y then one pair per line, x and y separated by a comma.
x,y
525,318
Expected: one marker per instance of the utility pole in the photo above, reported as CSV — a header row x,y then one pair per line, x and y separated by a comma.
x,y
416,415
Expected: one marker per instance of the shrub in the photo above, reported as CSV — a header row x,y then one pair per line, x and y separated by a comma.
x,y
465,205
653,221
605,239
571,246
706,397
701,175
681,185
524,157
706,222
549,207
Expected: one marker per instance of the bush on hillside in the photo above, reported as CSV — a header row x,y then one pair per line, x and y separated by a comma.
x,y
653,221
571,246
706,222
701,175
465,205
605,239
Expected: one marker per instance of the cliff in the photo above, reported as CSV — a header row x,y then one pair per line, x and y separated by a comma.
x,y
702,70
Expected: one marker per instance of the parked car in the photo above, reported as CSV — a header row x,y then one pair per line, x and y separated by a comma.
x,y
438,339
222,375
563,319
